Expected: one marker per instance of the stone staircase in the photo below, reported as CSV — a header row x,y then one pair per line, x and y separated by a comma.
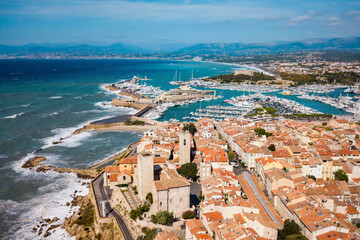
x,y
132,198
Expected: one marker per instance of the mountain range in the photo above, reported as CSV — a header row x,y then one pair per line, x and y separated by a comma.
x,y
203,49
238,49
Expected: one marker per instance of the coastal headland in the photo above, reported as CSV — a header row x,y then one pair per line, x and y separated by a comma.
x,y
36,165
120,125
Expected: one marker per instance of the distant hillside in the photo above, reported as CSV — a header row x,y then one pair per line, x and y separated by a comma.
x,y
207,50
82,49
238,49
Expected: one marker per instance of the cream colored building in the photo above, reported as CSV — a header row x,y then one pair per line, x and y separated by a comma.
x,y
170,191
184,147
184,93
327,166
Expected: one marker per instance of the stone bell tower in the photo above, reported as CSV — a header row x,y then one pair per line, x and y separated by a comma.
x,y
145,174
184,147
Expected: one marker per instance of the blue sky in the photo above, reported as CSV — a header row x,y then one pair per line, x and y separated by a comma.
x,y
175,22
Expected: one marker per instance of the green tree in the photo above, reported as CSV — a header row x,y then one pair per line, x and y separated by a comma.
x,y
258,109
324,124
272,147
296,237
201,196
312,177
230,155
189,215
260,131
270,110
150,233
149,197
162,217
340,175
191,128
290,228
188,170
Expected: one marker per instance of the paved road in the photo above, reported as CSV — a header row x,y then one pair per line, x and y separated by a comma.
x,y
102,195
260,199
133,148
195,189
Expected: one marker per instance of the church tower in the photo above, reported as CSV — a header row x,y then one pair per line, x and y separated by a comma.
x,y
184,147
145,174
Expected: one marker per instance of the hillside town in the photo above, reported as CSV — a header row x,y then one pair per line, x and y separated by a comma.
x,y
251,180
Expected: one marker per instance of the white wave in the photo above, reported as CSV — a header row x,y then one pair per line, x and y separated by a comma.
x,y
78,97
49,114
105,104
111,108
55,97
49,202
66,137
3,156
14,115
54,113
107,91
26,105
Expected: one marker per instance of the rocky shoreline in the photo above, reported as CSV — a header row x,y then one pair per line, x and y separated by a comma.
x,y
36,165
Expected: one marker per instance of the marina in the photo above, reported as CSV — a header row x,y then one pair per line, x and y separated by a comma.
x,y
285,106
344,103
229,86
218,112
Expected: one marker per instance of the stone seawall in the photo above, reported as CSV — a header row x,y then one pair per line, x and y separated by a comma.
x,y
114,127
122,103
111,88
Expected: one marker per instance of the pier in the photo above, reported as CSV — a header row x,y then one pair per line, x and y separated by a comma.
x,y
143,111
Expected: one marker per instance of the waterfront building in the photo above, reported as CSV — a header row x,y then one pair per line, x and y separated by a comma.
x,y
184,92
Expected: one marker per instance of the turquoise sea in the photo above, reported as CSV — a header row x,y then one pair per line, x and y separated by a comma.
x,y
44,100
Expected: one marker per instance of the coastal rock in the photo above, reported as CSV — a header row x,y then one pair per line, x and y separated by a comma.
x,y
48,233
50,221
33,162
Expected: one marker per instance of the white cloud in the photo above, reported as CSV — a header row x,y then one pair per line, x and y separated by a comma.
x,y
147,10
334,19
295,20
355,15
300,18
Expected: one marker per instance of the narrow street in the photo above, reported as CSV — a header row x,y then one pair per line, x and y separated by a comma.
x,y
259,198
102,196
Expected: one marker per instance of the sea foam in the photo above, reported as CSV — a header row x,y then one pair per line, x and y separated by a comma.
x,y
50,202
66,137
14,115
